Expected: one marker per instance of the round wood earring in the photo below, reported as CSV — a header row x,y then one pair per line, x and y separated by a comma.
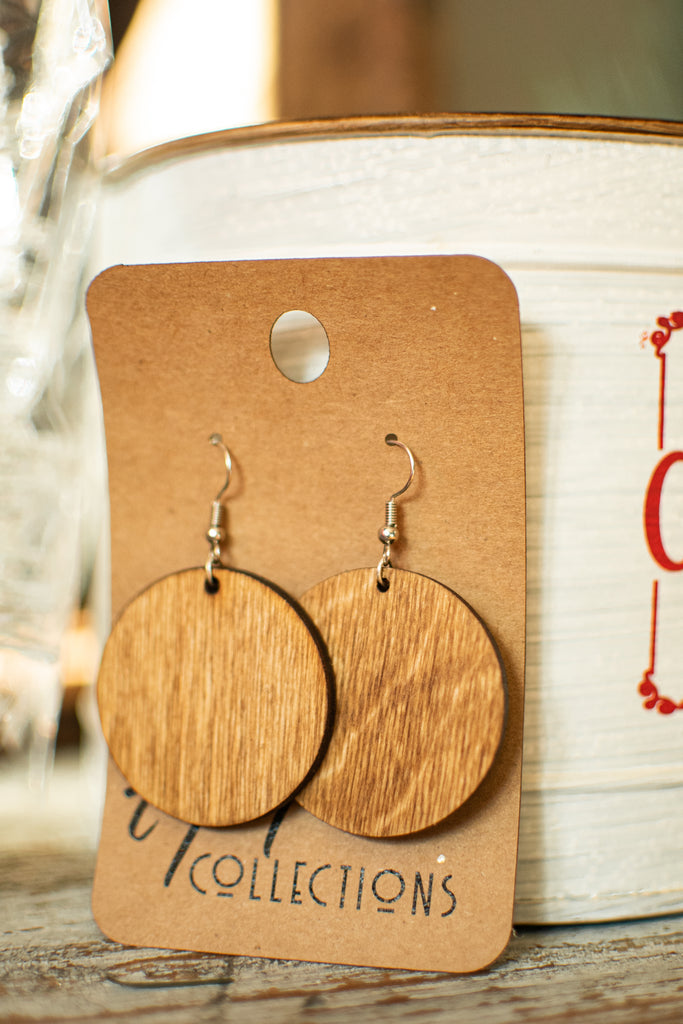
x,y
214,691
420,697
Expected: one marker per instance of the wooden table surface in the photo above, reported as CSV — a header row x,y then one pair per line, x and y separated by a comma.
x,y
56,966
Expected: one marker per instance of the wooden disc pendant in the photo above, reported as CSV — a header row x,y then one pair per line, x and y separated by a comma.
x,y
420,703
214,706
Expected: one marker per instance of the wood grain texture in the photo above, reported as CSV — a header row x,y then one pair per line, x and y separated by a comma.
x,y
214,706
55,966
420,703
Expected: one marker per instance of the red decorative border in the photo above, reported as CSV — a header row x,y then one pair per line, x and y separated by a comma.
x,y
658,340
647,687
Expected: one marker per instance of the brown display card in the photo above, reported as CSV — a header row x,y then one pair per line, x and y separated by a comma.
x,y
427,347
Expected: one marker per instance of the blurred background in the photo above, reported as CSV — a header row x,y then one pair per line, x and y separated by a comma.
x,y
184,68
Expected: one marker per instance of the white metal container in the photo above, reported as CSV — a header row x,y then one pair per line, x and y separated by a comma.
x,y
587,219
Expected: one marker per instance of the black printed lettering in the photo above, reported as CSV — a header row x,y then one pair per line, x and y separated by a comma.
x,y
193,881
448,892
426,898
323,867
296,891
274,827
220,881
273,897
180,853
387,891
388,899
342,898
252,893
360,888
135,820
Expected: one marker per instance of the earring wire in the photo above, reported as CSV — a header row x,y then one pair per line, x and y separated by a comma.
x,y
216,533
389,532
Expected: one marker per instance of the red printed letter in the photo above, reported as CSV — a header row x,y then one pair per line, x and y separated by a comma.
x,y
653,497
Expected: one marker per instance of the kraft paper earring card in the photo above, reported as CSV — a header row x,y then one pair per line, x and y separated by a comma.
x,y
427,348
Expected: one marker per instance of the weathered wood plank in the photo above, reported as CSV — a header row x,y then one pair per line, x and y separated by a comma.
x,y
56,966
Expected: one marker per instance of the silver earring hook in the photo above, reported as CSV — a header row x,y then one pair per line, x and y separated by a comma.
x,y
389,532
391,439
216,534
218,441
